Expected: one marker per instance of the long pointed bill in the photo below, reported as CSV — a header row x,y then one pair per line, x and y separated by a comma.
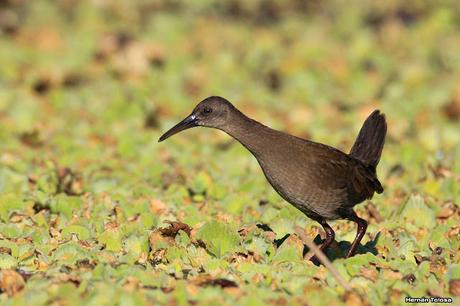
x,y
187,123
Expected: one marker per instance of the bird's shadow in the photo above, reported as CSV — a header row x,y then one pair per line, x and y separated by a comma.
x,y
336,250
340,249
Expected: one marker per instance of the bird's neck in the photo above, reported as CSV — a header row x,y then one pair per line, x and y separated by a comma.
x,y
251,134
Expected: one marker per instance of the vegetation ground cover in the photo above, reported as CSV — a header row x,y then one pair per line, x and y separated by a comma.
x,y
93,211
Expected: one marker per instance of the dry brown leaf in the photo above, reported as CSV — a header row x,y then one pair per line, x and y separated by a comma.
x,y
454,232
157,207
192,289
5,250
447,210
396,295
112,225
392,275
270,236
369,273
352,298
143,258
452,109
437,268
108,257
69,182
112,43
66,278
41,265
279,301
245,231
131,284
55,233
44,38
221,216
204,280
257,278
157,256
156,237
11,282
174,228
454,287
221,282
434,292
295,241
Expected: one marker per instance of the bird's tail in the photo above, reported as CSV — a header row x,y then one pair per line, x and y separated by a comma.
x,y
371,138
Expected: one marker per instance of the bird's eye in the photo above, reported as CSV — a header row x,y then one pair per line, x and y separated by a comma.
x,y
207,110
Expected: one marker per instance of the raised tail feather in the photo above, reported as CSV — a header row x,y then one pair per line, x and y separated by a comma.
x,y
371,138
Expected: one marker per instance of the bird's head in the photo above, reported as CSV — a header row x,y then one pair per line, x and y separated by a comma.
x,y
211,112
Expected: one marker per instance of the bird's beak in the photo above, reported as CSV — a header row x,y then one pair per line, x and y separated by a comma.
x,y
187,123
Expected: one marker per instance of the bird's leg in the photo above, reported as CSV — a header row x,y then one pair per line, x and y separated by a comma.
x,y
362,226
330,235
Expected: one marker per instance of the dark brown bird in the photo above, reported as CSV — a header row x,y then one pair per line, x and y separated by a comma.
x,y
321,181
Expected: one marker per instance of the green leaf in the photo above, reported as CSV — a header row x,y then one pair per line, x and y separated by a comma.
x,y
235,204
418,213
8,203
201,183
10,231
287,252
454,272
136,245
10,245
354,264
7,261
182,238
112,240
282,226
258,245
220,239
82,232
215,264
217,191
69,253
66,205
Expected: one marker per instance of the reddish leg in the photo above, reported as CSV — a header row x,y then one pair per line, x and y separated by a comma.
x,y
330,235
362,227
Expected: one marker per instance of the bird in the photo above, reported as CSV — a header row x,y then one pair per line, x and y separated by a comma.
x,y
321,181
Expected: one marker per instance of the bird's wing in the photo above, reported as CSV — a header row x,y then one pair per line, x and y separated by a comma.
x,y
348,177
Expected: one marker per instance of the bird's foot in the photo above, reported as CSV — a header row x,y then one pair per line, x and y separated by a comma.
x,y
315,260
